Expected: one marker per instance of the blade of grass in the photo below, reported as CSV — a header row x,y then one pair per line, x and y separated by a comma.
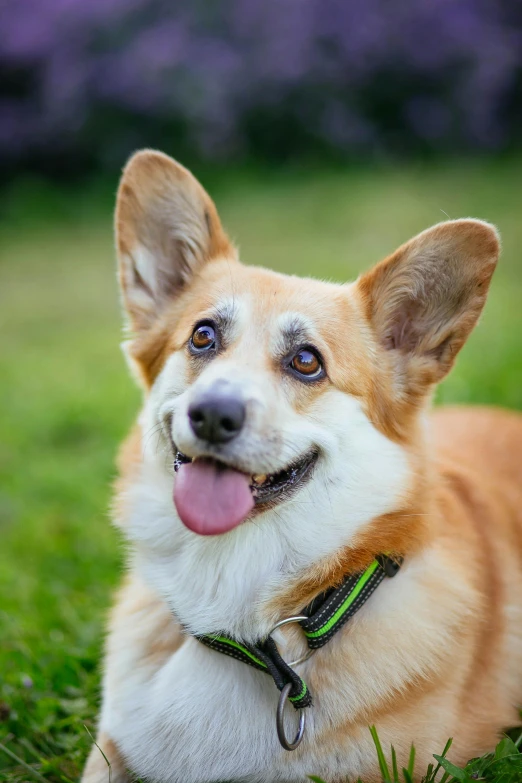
x,y
411,760
101,751
385,772
22,763
395,769
457,772
447,746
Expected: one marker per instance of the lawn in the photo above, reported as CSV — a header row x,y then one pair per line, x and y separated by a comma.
x,y
66,398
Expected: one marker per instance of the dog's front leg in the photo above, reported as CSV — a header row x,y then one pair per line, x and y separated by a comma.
x,y
201,718
143,634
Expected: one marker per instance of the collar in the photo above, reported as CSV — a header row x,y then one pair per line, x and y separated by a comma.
x,y
320,620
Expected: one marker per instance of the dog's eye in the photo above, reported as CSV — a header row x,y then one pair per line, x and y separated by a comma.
x,y
203,337
307,363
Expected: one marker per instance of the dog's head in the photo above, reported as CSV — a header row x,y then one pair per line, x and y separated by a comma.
x,y
273,392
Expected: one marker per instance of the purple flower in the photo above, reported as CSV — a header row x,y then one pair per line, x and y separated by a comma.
x,y
347,75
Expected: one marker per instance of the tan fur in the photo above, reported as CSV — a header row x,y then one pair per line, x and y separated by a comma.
x,y
385,341
164,209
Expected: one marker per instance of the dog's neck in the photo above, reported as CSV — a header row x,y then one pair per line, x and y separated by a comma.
x,y
243,582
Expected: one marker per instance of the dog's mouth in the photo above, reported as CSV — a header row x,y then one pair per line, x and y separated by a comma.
x,y
212,497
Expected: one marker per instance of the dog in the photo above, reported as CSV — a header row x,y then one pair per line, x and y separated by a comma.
x,y
284,450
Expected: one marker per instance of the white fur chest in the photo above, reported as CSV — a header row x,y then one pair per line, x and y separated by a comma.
x,y
206,718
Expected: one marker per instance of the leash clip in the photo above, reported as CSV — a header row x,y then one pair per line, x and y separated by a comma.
x,y
280,722
284,694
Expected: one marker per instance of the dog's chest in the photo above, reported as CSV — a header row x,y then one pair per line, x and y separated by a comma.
x,y
205,718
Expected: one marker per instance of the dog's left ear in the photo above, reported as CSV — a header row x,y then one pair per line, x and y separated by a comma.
x,y
166,228
423,301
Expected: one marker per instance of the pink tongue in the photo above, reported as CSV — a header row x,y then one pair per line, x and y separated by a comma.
x,y
211,499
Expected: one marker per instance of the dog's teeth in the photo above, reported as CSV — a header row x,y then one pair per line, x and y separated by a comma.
x,y
259,478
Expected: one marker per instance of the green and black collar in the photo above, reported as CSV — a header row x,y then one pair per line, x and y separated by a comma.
x,y
320,621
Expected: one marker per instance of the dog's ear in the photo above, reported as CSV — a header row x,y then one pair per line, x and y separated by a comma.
x,y
424,300
166,228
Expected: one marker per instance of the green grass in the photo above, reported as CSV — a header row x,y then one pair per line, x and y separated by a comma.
x,y
66,399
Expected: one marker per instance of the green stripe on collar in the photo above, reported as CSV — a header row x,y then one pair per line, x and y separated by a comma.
x,y
300,696
347,603
241,648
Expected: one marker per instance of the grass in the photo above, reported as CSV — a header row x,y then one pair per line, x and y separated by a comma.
x,y
66,399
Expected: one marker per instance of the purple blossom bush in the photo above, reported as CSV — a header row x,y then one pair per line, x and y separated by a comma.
x,y
93,79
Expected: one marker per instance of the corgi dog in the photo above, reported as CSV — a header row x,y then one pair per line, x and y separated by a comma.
x,y
285,456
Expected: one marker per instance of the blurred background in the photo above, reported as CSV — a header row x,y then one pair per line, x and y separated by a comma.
x,y
328,132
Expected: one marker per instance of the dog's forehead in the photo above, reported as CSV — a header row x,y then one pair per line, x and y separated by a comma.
x,y
241,315
250,300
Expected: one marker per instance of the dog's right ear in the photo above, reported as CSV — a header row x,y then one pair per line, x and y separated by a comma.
x,y
166,228
424,300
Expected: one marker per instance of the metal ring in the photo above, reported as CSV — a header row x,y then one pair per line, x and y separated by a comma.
x,y
295,619
280,724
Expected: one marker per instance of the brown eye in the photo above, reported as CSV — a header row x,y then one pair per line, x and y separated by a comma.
x,y
203,337
307,363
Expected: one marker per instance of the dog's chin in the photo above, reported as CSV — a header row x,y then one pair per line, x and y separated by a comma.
x,y
213,496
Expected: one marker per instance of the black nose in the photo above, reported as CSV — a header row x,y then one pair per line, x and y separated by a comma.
x,y
217,418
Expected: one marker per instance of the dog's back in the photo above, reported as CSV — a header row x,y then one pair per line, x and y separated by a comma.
x,y
488,440
480,466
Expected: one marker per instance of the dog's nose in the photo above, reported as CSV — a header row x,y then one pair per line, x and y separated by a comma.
x,y
217,418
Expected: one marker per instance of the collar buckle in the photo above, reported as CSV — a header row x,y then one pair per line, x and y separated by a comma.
x,y
389,565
